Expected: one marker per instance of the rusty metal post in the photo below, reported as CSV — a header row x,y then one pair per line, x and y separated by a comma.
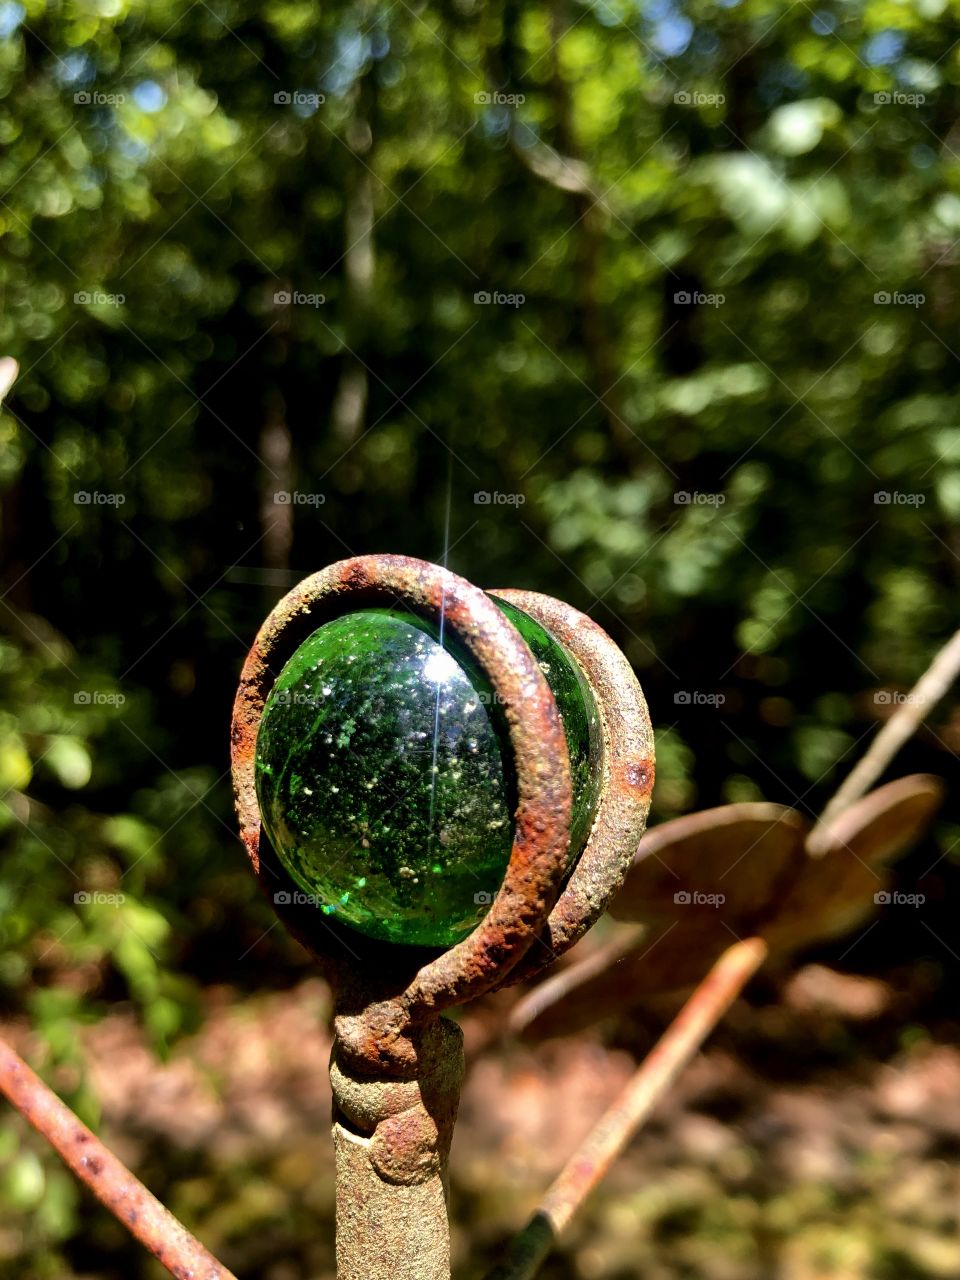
x,y
397,1064
607,1140
392,1140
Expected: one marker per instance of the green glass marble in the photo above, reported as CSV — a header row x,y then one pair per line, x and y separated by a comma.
x,y
384,774
581,721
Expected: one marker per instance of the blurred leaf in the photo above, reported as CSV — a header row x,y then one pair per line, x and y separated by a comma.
x,y
70,761
23,1182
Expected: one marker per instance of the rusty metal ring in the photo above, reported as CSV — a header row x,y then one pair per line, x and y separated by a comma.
x,y
628,769
541,834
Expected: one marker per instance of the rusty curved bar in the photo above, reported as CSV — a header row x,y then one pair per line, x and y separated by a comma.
x,y
628,776
902,725
110,1181
377,1032
589,1164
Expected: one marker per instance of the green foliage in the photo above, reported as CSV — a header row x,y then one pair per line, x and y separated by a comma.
x,y
705,478
700,476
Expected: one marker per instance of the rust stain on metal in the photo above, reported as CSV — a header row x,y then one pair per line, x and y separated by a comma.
x,y
375,1020
639,775
397,1064
392,1139
607,1140
628,778
109,1180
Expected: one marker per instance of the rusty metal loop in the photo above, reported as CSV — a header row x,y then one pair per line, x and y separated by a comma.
x,y
628,776
378,1029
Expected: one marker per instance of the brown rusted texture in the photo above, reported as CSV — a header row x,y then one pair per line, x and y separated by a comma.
x,y
742,851
109,1180
379,1003
396,1069
621,1121
739,850
628,764
386,1231
392,1138
883,824
409,1123
610,978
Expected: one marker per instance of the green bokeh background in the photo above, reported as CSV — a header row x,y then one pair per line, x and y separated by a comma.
x,y
649,306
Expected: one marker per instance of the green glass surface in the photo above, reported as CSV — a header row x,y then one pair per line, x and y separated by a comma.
x,y
384,774
581,721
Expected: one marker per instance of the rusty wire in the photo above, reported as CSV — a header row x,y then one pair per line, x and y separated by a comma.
x,y
388,1003
110,1181
391,1222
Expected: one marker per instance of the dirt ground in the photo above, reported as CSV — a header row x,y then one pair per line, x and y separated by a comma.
x,y
815,1139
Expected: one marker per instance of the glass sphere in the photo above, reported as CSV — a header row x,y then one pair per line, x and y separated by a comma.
x,y
385,775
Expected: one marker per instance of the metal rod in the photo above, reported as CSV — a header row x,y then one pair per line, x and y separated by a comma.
x,y
110,1181
617,1126
904,722
387,1232
392,1139
396,1065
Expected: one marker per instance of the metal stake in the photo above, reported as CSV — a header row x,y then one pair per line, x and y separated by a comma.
x,y
397,1065
392,1140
